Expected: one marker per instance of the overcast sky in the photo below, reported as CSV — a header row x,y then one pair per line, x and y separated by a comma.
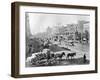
x,y
39,22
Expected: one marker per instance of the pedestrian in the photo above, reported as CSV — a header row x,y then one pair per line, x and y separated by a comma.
x,y
84,58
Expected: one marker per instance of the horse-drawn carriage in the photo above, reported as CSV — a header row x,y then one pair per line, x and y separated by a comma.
x,y
47,57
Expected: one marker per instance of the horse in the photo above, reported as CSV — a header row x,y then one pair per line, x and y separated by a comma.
x,y
71,55
57,55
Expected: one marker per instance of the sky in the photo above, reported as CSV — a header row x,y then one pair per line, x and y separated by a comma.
x,y
38,22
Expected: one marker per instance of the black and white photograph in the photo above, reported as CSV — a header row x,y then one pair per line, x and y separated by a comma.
x,y
54,39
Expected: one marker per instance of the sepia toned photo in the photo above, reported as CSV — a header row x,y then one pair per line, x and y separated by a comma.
x,y
54,39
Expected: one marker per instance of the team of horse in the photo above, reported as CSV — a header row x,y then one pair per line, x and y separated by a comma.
x,y
71,55
50,55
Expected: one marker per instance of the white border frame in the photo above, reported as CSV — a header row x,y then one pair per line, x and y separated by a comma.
x,y
53,69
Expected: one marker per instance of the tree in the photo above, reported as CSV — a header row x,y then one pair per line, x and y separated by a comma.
x,y
76,35
79,37
36,44
70,37
87,35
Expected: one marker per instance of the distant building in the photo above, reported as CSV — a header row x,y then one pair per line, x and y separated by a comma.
x,y
82,32
28,32
83,25
64,32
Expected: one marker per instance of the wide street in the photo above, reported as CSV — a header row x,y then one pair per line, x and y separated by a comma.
x,y
79,48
